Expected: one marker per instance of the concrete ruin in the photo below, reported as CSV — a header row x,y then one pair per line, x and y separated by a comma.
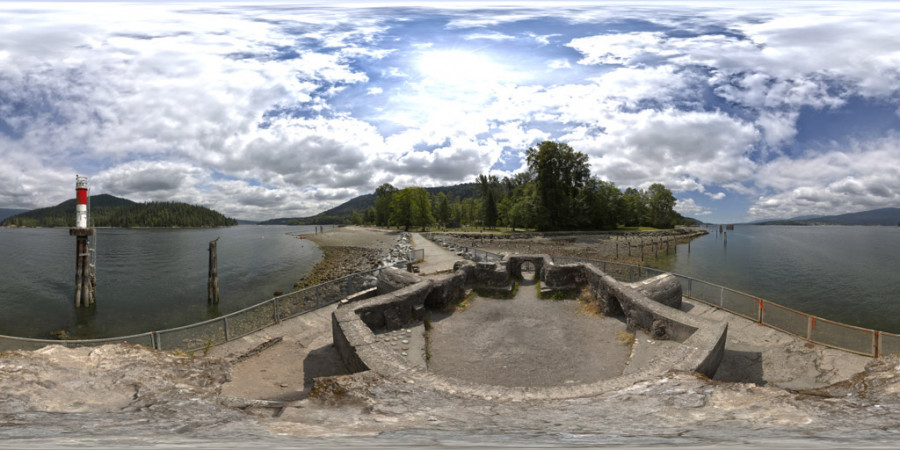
x,y
402,298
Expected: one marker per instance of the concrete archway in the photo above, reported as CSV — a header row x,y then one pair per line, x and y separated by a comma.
x,y
514,265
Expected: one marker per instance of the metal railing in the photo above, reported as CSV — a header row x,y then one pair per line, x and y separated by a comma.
x,y
815,329
416,255
229,327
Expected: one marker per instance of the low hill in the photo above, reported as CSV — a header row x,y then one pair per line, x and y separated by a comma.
x,y
4,212
111,211
882,216
341,213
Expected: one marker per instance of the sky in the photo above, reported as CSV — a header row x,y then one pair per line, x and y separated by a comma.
x,y
264,110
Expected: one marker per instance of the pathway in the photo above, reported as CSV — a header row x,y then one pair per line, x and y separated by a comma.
x,y
437,259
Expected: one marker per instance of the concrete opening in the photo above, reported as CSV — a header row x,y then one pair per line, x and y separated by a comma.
x,y
528,271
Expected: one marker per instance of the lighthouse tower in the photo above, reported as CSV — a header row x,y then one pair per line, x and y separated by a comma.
x,y
84,271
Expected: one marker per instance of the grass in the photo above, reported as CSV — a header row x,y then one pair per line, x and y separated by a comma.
x,y
462,304
625,338
588,305
556,295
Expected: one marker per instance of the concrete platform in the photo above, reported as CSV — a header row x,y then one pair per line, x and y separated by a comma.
x,y
758,354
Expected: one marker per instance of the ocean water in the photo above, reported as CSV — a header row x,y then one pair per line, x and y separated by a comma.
x,y
850,274
147,279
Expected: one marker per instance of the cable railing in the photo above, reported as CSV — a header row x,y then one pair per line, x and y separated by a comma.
x,y
203,335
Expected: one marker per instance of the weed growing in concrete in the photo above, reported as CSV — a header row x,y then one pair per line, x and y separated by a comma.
x,y
207,347
625,338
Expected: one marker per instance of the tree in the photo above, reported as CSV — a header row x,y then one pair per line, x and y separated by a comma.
x,y
490,210
410,208
384,197
634,209
559,172
442,211
661,206
356,218
369,216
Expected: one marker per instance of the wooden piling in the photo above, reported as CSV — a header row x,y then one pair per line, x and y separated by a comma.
x,y
84,275
212,286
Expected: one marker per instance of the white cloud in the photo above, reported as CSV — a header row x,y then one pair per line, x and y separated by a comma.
x,y
559,64
715,196
689,208
616,48
864,176
494,36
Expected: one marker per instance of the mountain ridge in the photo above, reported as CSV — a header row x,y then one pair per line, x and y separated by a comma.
x,y
873,217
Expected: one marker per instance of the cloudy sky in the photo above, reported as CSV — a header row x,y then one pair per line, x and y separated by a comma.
x,y
261,111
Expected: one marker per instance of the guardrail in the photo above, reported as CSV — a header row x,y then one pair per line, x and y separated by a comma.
x,y
226,328
815,329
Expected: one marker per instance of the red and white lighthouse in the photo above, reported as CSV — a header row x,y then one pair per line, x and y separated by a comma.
x,y
81,196
85,280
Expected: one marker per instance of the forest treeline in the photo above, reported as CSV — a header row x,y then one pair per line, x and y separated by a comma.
x,y
556,193
109,211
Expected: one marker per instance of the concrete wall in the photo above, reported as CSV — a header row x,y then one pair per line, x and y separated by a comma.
x,y
703,341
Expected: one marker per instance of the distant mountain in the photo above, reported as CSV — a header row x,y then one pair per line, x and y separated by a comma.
x,y
4,213
110,211
341,213
883,216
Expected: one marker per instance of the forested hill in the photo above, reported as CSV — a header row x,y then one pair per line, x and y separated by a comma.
x,y
342,213
883,216
110,211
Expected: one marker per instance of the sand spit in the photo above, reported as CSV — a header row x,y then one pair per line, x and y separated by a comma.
x,y
625,247
349,250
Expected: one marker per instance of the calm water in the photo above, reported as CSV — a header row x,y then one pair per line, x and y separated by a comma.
x,y
146,279
848,274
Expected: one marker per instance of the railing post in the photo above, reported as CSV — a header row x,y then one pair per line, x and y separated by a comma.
x,y
760,310
876,343
809,327
277,319
722,297
227,332
156,341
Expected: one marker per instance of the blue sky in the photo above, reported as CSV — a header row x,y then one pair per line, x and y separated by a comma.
x,y
264,110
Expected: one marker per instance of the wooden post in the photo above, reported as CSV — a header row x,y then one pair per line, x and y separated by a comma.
x,y
84,276
212,286
79,272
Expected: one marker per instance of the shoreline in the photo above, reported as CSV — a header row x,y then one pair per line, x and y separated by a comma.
x,y
351,249
626,247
